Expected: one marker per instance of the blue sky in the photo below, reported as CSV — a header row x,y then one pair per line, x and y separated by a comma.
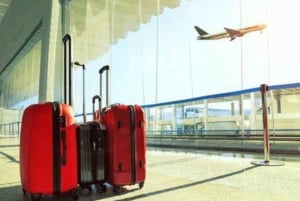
x,y
163,61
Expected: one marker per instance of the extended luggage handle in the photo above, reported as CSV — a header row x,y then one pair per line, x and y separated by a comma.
x,y
83,90
96,114
101,71
67,69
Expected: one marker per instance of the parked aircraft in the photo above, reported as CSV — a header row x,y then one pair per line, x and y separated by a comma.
x,y
230,33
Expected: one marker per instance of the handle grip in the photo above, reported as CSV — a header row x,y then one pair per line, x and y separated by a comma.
x,y
67,68
104,68
96,97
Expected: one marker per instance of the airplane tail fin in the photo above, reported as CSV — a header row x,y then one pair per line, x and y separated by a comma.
x,y
200,31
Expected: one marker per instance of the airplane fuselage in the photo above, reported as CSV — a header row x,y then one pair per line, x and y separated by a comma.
x,y
253,28
230,33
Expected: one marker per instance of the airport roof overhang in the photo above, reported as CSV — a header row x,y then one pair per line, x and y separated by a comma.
x,y
95,26
4,4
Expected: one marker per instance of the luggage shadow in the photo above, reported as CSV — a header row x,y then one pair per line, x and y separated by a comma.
x,y
9,193
172,162
188,185
105,195
10,157
9,146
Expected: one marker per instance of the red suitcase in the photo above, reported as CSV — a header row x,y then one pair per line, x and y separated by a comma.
x,y
126,145
125,141
48,152
48,145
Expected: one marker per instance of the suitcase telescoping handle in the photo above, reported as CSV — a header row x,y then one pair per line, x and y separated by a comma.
x,y
83,90
96,97
106,69
67,69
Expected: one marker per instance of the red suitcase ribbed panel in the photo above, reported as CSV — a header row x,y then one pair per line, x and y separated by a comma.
x,y
36,149
119,145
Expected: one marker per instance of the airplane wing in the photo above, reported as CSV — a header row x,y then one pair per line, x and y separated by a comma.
x,y
233,33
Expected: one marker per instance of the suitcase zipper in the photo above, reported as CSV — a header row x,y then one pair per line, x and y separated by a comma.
x,y
56,148
133,148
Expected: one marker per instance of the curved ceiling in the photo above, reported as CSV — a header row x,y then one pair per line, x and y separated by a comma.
x,y
97,24
4,4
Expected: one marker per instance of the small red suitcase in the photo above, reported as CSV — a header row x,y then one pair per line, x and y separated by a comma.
x,y
126,145
48,152
125,141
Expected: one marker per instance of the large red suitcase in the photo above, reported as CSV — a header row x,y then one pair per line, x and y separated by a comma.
x,y
125,145
48,146
48,152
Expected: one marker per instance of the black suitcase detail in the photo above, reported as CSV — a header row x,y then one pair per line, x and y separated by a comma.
x,y
91,161
91,150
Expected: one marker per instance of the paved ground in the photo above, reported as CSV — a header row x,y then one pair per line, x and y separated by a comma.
x,y
180,176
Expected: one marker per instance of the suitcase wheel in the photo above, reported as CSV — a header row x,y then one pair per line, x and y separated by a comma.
x,y
117,190
85,190
36,197
74,194
24,191
141,185
101,188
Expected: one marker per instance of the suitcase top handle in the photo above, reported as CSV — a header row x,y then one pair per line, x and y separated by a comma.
x,y
67,69
105,68
95,117
83,89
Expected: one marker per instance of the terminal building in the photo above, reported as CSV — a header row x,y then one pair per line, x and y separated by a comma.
x,y
198,95
186,86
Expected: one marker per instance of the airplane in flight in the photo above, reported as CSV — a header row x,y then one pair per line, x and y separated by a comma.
x,y
230,33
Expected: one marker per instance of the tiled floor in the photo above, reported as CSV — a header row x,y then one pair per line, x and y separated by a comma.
x,y
181,176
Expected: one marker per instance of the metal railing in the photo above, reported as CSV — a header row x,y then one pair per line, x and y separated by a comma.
x,y
287,144
10,130
10,134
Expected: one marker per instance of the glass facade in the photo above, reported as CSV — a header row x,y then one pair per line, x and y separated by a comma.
x,y
19,85
155,57
228,122
235,113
